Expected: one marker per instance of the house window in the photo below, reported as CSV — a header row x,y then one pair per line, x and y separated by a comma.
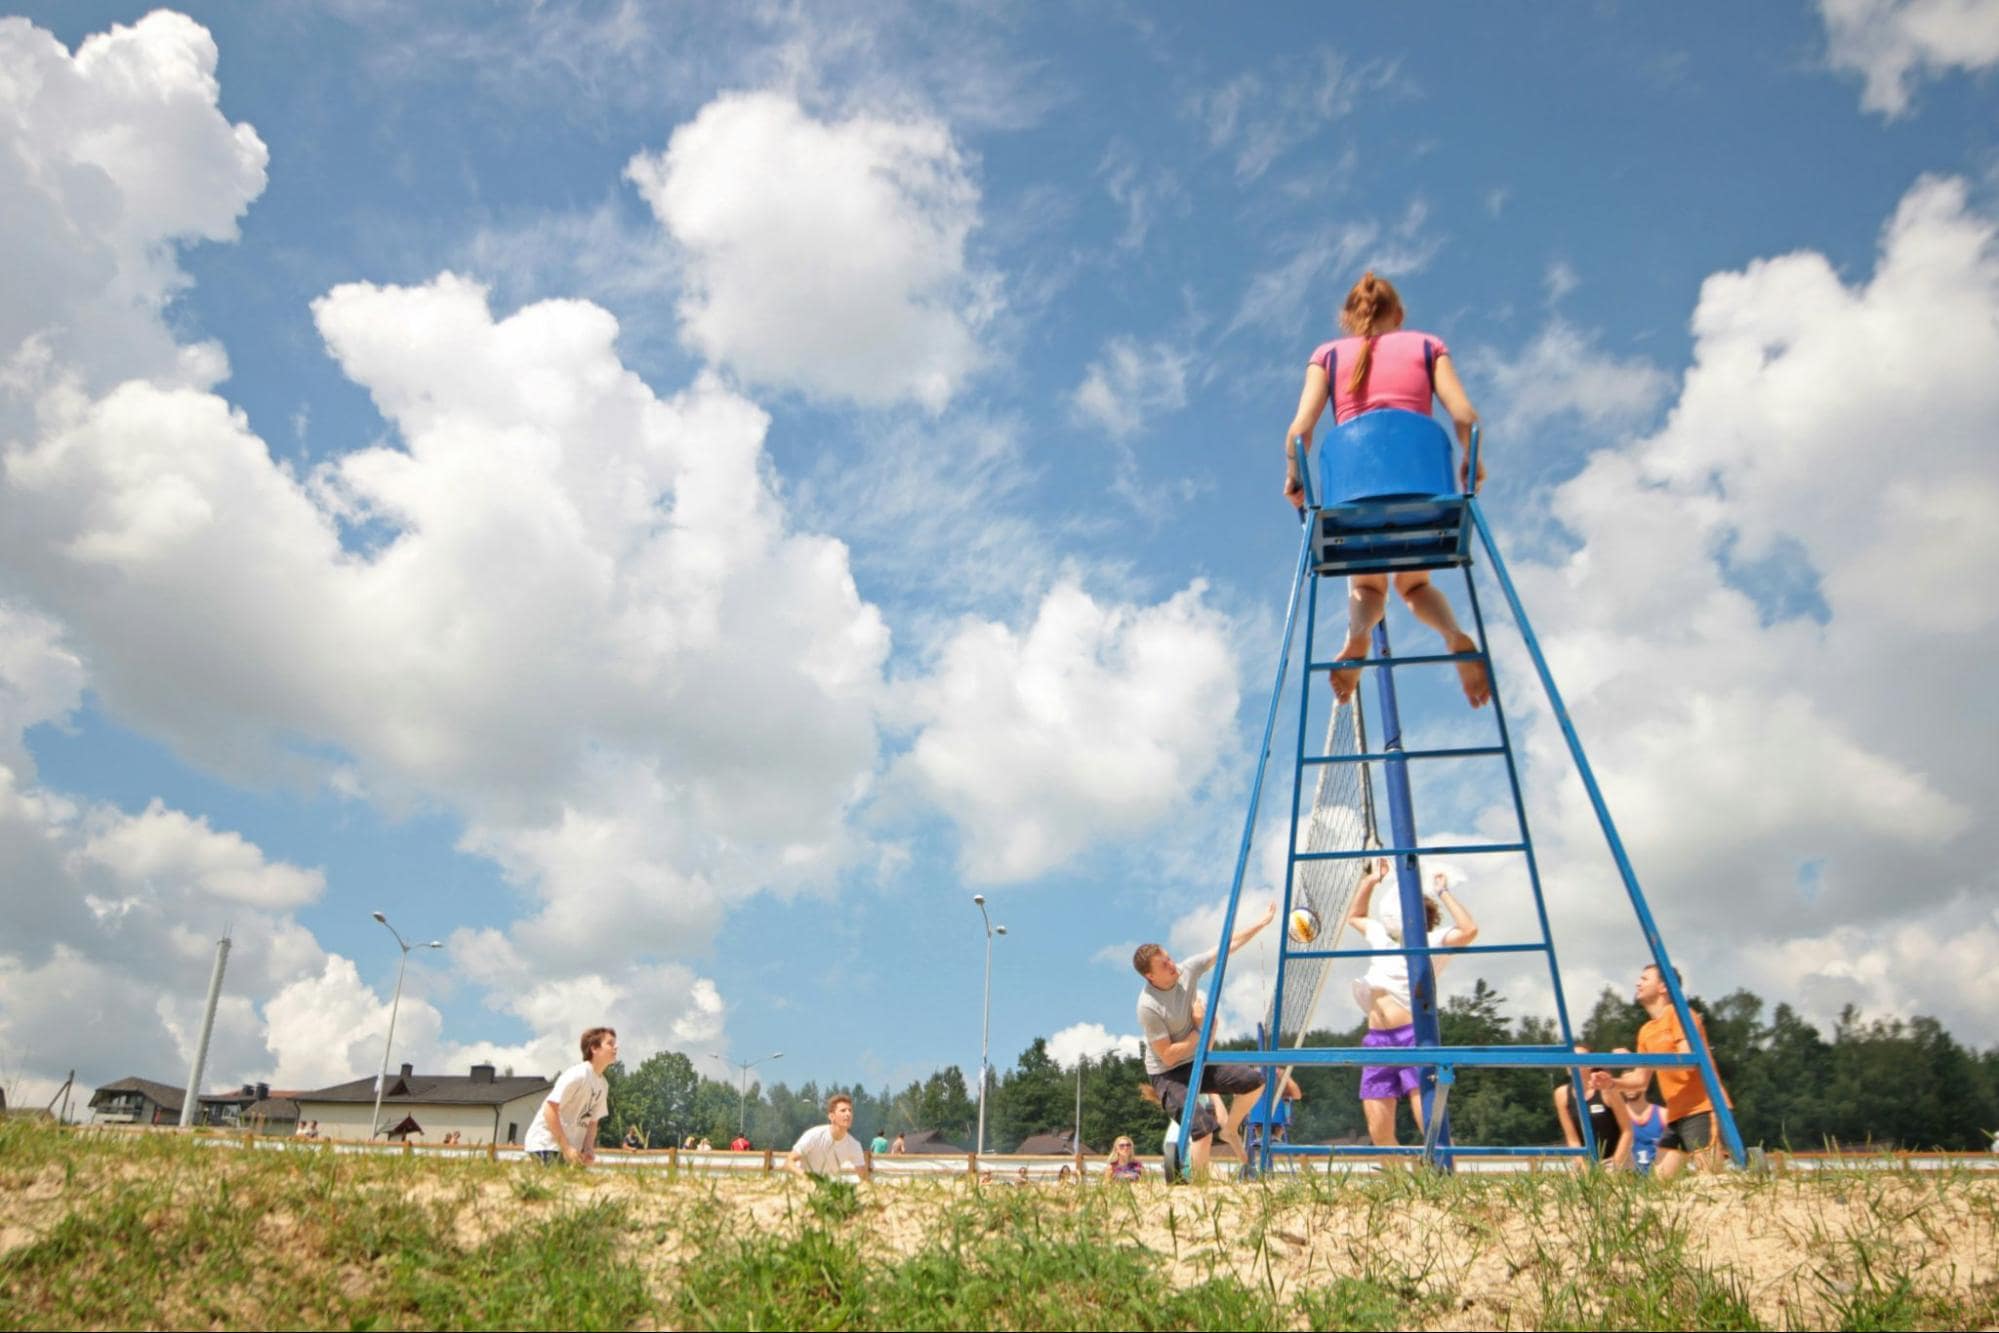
x,y
513,1131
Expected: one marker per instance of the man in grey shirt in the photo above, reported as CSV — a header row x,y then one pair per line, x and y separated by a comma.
x,y
1169,1017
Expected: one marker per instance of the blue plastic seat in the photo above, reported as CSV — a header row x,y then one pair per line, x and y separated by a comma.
x,y
1389,497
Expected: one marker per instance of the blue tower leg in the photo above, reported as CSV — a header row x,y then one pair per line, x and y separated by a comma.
x,y
1723,1115
1409,883
1199,1063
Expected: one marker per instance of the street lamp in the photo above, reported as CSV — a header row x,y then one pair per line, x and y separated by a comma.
x,y
986,1022
743,1093
381,1080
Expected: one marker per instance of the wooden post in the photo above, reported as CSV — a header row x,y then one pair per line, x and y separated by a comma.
x,y
409,1149
767,1161
673,1160
972,1166
492,1150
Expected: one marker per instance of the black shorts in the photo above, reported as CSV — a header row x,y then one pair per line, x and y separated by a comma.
x,y
1689,1133
1172,1089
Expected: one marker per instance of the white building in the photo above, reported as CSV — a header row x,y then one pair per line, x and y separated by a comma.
x,y
483,1108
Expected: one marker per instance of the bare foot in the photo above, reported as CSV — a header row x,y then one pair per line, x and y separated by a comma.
x,y
1347,678
1477,685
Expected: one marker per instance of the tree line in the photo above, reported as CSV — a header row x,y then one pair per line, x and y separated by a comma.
x,y
1880,1083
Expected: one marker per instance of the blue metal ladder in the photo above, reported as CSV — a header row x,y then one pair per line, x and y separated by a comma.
x,y
1381,524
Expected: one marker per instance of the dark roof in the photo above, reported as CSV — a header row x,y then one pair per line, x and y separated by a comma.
x,y
928,1142
225,1098
431,1090
274,1108
1056,1143
165,1096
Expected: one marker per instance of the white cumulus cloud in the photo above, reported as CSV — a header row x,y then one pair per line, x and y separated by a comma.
x,y
1772,628
1093,722
1089,1041
1893,43
109,159
827,257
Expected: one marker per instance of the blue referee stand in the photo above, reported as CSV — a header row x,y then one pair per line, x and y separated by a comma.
x,y
1387,502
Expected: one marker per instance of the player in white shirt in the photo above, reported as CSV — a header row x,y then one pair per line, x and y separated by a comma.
x,y
828,1149
566,1126
1384,994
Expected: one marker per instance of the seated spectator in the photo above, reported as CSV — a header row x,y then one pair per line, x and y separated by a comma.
x,y
1122,1164
1603,1121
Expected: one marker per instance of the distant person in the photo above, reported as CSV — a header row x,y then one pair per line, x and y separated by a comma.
x,y
1384,994
566,1127
1602,1119
899,1147
632,1140
828,1149
705,1145
1170,1021
878,1146
1689,1134
1381,365
740,1143
1122,1164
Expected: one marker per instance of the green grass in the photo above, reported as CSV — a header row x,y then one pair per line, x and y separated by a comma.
x,y
160,1232
211,1237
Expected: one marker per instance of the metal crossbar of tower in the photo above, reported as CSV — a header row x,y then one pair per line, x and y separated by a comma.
x,y
1386,502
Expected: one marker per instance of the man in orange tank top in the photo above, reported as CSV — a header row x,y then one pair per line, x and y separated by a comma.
x,y
1690,1129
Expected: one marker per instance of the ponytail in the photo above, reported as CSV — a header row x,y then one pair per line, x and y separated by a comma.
x,y
1372,302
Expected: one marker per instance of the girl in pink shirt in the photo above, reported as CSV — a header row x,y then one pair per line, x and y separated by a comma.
x,y
1382,365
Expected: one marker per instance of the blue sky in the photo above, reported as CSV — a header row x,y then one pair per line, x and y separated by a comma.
x,y
711,488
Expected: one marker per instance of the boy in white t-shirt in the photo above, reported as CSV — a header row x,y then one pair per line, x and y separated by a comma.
x,y
566,1126
826,1150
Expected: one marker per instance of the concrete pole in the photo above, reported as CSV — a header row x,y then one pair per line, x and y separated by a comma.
x,y
188,1101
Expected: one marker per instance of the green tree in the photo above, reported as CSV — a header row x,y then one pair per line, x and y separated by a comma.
x,y
1613,1022
1036,1096
946,1106
657,1097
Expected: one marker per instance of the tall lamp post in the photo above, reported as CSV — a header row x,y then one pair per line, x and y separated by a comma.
x,y
743,1087
381,1080
986,1020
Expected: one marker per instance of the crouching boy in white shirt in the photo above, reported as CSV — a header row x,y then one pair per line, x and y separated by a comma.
x,y
828,1149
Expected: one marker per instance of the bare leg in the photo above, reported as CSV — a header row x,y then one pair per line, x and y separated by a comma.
x,y
1416,1110
1367,600
1197,1156
1380,1120
1239,1110
1669,1164
1434,609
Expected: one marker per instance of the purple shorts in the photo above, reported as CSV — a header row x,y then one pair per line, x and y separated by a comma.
x,y
1378,1081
